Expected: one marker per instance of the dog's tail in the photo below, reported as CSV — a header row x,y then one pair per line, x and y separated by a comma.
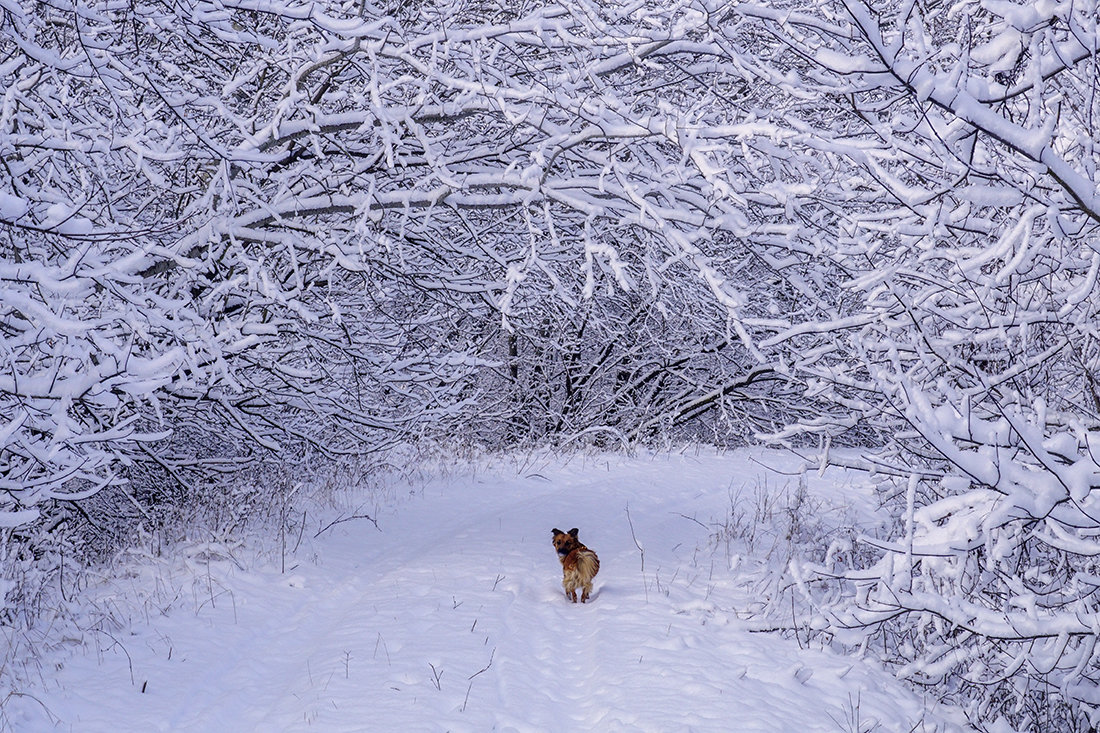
x,y
587,563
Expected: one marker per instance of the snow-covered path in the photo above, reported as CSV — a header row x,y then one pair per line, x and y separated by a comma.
x,y
451,617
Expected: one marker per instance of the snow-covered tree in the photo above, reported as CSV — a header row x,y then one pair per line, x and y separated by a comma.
x,y
295,224
974,336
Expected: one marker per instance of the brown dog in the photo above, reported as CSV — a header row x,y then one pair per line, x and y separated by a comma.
x,y
579,564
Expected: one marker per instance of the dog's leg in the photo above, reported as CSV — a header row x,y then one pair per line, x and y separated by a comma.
x,y
587,589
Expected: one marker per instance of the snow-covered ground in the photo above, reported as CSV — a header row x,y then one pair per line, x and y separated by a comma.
x,y
450,615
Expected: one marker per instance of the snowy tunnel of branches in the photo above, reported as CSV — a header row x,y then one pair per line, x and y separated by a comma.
x,y
239,232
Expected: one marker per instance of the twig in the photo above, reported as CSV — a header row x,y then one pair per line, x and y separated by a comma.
x,y
385,648
333,523
475,674
301,530
129,661
794,624
486,667
693,519
54,720
641,551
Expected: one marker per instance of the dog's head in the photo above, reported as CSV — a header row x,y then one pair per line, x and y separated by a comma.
x,y
565,542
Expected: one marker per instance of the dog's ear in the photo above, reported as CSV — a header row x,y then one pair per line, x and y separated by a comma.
x,y
574,532
555,530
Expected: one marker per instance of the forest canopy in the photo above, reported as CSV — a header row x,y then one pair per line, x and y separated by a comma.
x,y
240,232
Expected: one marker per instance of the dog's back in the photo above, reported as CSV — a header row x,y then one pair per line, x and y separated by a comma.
x,y
582,561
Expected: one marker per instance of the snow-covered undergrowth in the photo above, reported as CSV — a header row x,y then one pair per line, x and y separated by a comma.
x,y
448,613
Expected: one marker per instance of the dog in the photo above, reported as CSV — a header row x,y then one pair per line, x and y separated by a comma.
x,y
579,564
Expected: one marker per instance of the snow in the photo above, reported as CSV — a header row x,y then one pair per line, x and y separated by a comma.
x,y
1001,52
12,207
14,519
449,615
